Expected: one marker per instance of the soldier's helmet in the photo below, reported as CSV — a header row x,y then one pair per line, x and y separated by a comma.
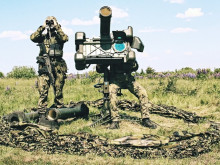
x,y
50,21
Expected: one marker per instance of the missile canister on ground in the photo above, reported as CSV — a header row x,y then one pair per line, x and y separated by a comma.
x,y
80,110
19,116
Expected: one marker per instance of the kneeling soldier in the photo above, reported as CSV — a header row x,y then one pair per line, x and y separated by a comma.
x,y
120,77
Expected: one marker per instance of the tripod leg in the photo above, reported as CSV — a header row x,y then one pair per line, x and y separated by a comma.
x,y
106,108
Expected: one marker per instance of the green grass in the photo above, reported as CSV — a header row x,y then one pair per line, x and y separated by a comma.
x,y
199,96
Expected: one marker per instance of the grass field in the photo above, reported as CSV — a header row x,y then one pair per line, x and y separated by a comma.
x,y
199,96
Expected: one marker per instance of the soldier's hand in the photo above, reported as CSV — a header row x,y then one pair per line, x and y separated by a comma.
x,y
58,26
43,26
41,29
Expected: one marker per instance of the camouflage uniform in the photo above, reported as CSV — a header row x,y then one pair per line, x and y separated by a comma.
x,y
59,65
120,77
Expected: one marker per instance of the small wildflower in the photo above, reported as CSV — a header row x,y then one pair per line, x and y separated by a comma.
x,y
217,75
8,88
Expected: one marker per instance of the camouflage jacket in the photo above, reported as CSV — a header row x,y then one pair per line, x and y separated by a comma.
x,y
58,37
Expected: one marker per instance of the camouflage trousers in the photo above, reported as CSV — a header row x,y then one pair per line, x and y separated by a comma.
x,y
127,82
44,85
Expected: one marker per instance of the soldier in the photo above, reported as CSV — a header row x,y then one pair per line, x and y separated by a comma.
x,y
120,77
51,44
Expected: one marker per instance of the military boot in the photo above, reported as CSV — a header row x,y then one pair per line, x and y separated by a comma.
x,y
114,125
146,122
53,106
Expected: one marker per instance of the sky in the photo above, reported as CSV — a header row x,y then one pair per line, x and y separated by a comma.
x,y
175,33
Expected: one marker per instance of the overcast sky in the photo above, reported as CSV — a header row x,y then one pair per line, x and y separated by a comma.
x,y
176,33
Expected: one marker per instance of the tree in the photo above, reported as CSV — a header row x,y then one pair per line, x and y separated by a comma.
x,y
22,72
150,70
1,75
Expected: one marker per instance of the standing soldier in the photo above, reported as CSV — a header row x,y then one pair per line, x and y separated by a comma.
x,y
120,77
52,67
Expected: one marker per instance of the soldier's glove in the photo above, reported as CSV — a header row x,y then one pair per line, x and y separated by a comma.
x,y
57,27
41,29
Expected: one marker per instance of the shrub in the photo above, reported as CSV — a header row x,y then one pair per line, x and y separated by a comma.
x,y
185,70
142,72
203,73
94,75
171,86
150,70
22,72
1,75
217,75
217,70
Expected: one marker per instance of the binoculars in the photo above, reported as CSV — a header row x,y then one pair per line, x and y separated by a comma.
x,y
49,22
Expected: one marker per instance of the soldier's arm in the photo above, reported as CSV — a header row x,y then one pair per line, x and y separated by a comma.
x,y
62,37
37,36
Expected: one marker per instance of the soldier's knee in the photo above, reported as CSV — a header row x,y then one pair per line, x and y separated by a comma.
x,y
113,89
